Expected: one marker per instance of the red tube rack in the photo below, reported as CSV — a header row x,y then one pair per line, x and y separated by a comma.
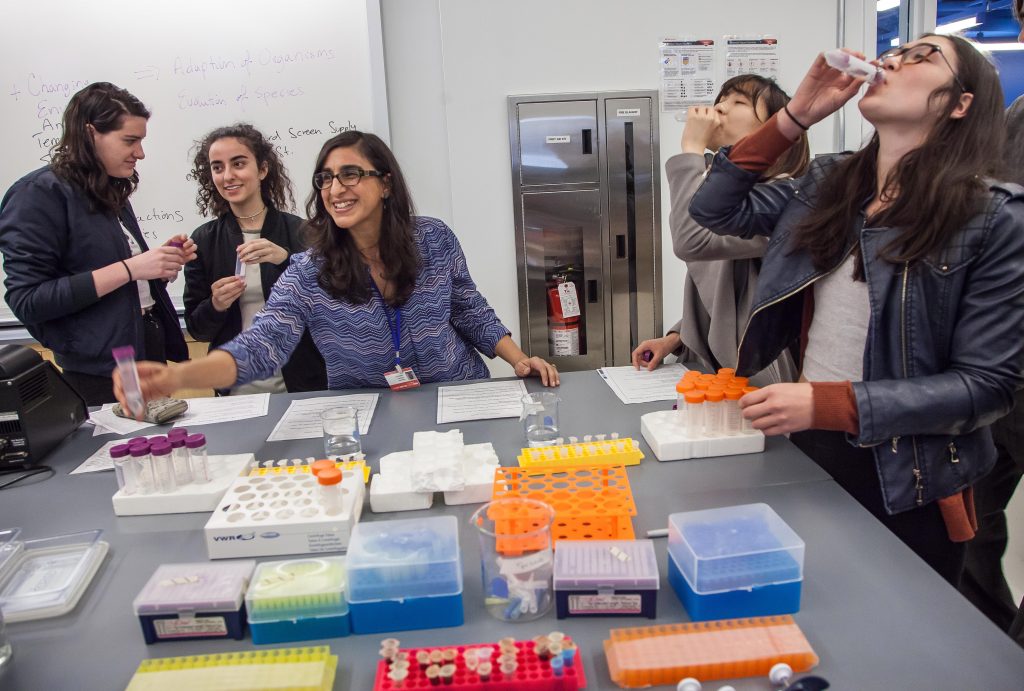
x,y
532,673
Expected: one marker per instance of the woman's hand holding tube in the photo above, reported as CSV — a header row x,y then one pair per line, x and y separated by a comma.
x,y
156,380
780,408
823,91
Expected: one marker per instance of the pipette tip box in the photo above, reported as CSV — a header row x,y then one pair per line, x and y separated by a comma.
x,y
298,600
405,574
194,601
606,578
735,561
669,441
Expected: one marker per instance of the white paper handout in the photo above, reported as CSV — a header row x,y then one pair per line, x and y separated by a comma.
x,y
209,411
640,386
302,419
485,401
108,423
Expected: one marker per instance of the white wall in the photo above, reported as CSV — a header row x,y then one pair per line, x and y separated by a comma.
x,y
451,64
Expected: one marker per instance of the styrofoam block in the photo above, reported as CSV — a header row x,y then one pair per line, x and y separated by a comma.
x,y
281,514
397,495
190,498
478,464
669,442
438,461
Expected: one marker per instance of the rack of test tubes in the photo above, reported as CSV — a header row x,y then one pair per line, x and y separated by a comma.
x,y
287,513
594,450
171,473
295,669
707,420
589,503
722,649
470,475
546,663
289,466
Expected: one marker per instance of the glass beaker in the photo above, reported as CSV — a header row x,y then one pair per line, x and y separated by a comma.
x,y
516,557
341,431
540,418
5,644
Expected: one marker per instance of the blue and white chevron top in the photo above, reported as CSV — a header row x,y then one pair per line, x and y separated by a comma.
x,y
444,322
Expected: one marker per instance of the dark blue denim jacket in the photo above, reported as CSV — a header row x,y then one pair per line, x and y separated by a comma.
x,y
945,344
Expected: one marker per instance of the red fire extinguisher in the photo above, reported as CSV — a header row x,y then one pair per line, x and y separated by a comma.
x,y
563,313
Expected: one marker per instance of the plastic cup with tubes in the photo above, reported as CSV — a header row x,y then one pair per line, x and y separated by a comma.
x,y
516,557
341,431
540,418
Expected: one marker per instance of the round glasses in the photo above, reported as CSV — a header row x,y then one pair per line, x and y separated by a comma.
x,y
911,55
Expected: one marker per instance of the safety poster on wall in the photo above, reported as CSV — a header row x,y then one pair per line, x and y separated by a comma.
x,y
752,55
687,73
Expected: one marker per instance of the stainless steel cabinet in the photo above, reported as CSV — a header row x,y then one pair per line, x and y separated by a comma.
x,y
585,178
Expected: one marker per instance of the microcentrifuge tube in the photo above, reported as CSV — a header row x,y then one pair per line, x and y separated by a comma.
x,y
124,358
144,482
330,491
714,413
163,467
855,67
197,458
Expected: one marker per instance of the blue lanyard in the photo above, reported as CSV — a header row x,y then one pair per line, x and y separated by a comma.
x,y
394,327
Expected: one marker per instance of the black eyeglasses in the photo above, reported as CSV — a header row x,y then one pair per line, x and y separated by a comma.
x,y
349,176
911,55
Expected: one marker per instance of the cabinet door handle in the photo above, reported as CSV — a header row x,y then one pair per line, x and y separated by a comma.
x,y
591,291
588,143
620,246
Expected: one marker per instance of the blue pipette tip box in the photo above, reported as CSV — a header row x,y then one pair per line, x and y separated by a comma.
x,y
298,600
606,578
405,574
735,561
194,601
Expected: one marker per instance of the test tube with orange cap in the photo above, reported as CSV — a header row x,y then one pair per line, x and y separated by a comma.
x,y
330,491
694,413
316,467
682,386
733,414
747,427
714,412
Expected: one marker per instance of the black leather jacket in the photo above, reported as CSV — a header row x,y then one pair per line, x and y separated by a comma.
x,y
945,345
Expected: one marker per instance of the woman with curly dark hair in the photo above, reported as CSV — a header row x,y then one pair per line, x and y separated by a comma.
x,y
80,276
245,249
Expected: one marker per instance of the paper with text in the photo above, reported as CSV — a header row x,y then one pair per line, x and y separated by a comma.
x,y
640,386
209,411
485,401
302,419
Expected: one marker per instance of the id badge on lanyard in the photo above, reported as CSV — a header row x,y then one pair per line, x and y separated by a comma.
x,y
400,377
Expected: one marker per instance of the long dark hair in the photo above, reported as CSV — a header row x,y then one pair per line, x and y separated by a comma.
x,y
74,159
934,189
343,274
763,90
275,188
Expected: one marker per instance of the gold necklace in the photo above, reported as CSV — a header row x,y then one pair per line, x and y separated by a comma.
x,y
249,218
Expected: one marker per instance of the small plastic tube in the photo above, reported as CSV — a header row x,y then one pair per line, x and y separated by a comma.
x,y
197,458
436,657
509,669
124,469
747,427
484,670
448,674
163,467
682,387
330,491
179,458
557,666
694,413
144,481
714,413
323,464
855,67
239,267
569,654
124,358
397,677
733,413
433,675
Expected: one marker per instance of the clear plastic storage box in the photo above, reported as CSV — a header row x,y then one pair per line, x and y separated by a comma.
x,y
46,577
606,578
298,600
201,600
735,561
405,574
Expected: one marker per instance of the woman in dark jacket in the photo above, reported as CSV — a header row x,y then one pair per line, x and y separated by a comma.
x,y
899,271
80,276
243,251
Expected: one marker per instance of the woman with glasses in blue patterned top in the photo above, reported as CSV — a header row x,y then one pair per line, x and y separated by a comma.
x,y
385,295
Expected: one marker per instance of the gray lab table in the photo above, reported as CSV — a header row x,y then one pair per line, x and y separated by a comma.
x,y
877,616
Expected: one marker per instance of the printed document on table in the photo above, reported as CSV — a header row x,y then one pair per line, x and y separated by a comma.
x,y
107,423
480,401
640,386
209,411
101,460
302,419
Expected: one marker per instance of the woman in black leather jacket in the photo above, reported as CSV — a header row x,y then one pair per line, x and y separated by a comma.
x,y
897,272
245,249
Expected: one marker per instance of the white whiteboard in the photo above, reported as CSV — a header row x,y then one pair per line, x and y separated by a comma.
x,y
299,71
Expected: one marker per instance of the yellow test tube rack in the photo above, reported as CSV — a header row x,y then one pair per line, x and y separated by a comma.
x,y
291,669
590,454
355,465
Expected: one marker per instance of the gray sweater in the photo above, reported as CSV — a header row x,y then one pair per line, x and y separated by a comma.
x,y
721,279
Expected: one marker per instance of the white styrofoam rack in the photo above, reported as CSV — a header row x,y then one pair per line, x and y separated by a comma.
x,y
281,514
669,442
392,488
191,498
